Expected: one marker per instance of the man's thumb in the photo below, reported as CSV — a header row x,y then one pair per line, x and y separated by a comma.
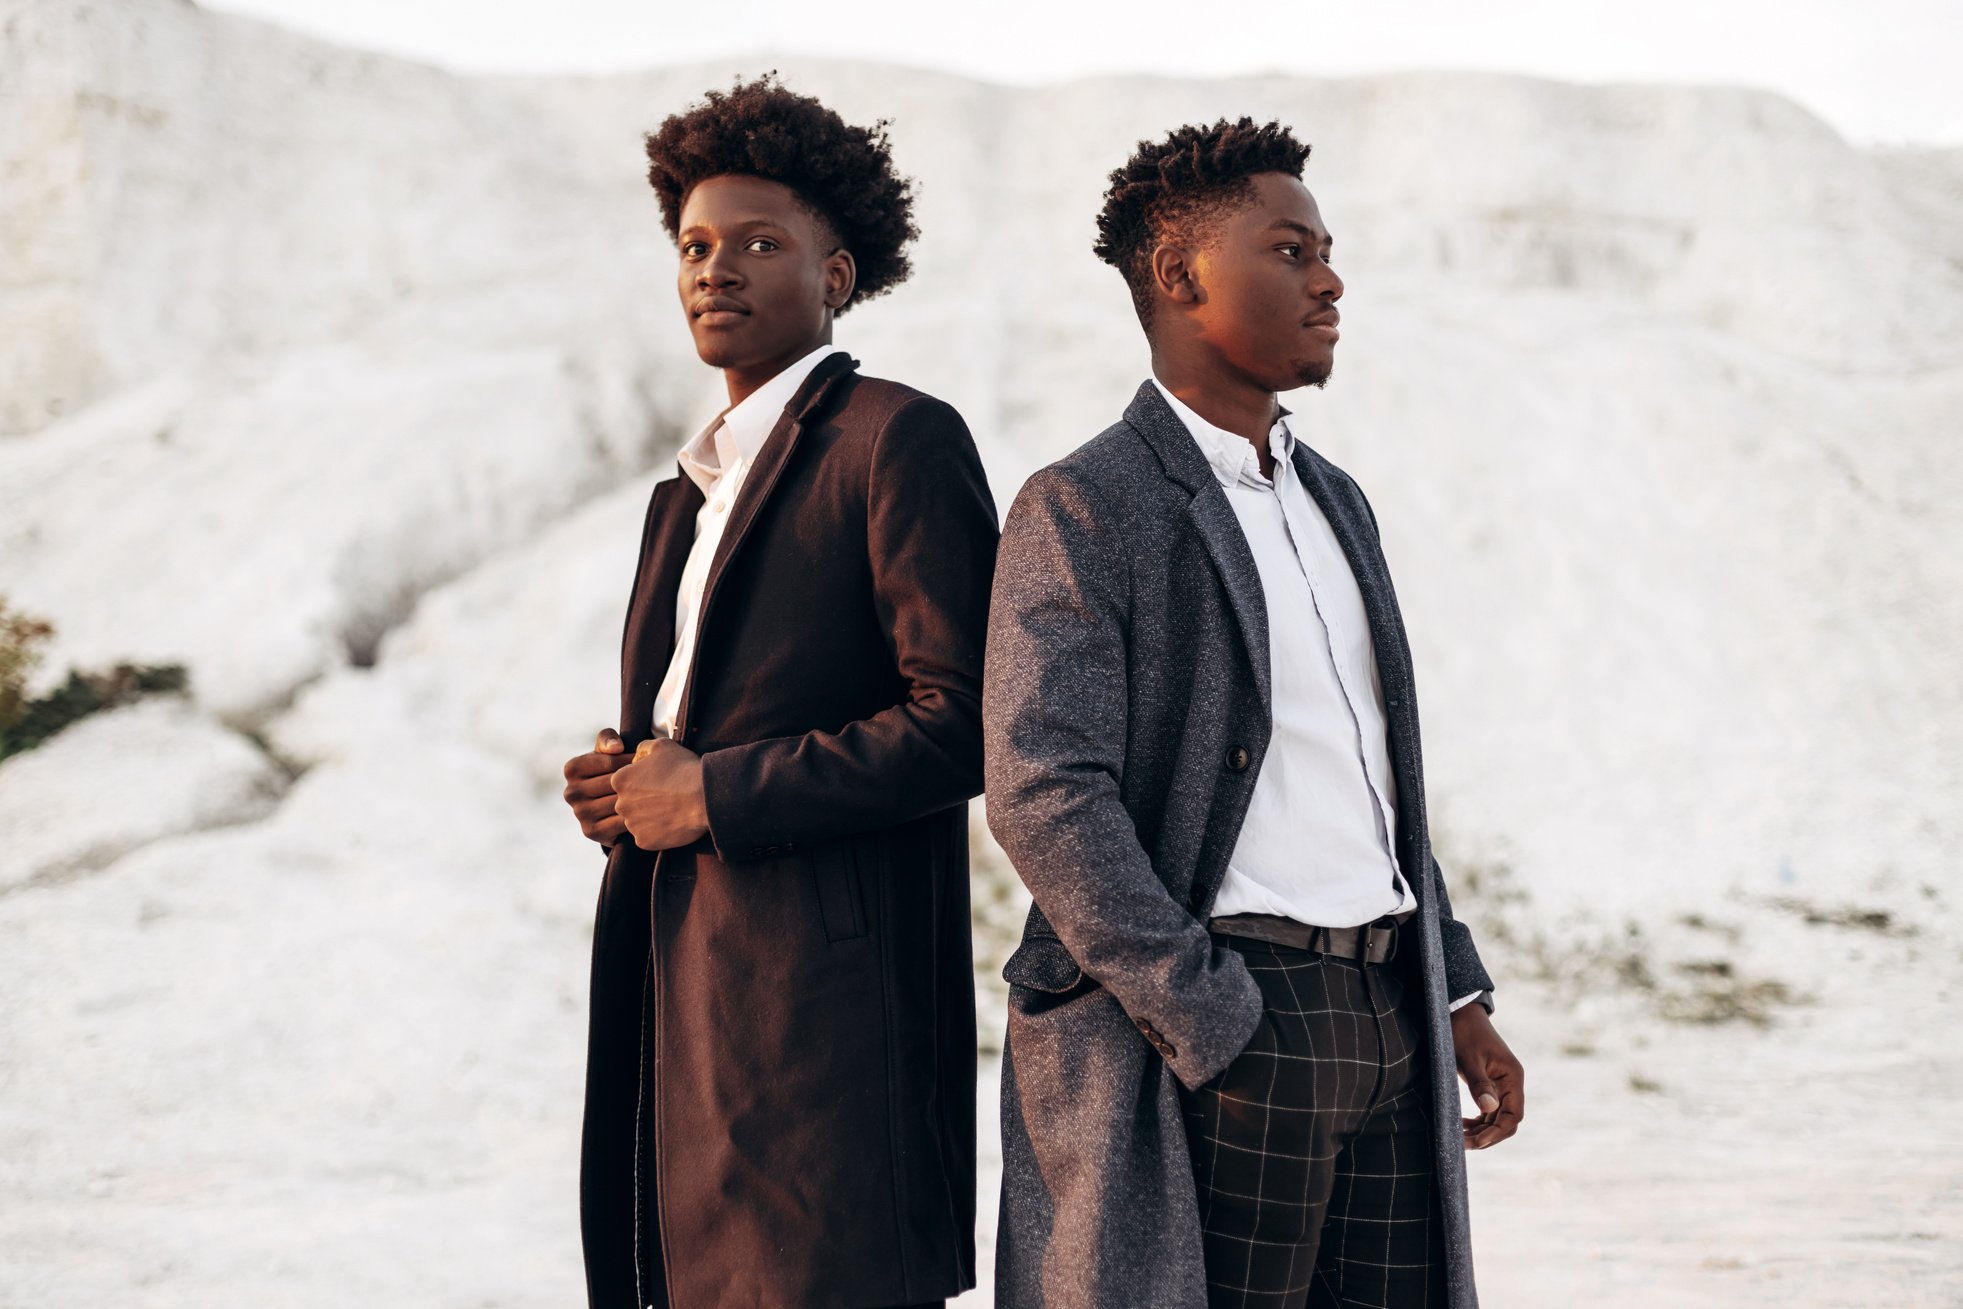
x,y
608,742
1483,1094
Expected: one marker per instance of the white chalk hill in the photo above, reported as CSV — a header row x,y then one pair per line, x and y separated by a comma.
x,y
342,381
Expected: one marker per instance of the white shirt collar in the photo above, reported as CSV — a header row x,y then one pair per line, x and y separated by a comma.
x,y
1228,454
739,434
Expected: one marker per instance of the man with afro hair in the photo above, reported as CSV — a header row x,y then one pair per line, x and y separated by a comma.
x,y
781,1061
1241,998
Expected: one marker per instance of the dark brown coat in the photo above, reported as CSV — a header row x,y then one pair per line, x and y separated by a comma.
x,y
780,1086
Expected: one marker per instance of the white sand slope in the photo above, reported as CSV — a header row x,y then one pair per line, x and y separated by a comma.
x,y
170,768
342,381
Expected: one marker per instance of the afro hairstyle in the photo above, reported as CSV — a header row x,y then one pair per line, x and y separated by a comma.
x,y
1166,186
841,173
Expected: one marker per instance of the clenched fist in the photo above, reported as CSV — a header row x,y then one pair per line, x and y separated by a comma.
x,y
659,795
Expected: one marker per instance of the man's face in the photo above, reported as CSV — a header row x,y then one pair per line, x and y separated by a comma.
x,y
760,276
1267,309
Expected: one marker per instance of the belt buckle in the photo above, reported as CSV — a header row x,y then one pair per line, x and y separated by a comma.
x,y
1380,941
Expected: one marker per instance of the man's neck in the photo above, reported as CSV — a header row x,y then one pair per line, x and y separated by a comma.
x,y
746,382
1228,403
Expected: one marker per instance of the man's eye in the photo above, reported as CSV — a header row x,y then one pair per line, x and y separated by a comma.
x,y
694,249
1292,251
762,245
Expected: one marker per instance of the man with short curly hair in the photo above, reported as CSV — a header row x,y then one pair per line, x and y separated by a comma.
x,y
1241,997
781,1061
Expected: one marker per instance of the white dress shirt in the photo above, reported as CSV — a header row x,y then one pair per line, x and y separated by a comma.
x,y
717,460
1318,843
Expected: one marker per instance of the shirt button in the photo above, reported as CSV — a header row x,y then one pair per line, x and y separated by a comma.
x,y
1238,758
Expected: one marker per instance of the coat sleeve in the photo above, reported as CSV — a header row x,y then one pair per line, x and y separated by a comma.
x,y
1056,718
1465,975
930,539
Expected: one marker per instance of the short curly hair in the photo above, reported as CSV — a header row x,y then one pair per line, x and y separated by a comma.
x,y
843,174
1195,173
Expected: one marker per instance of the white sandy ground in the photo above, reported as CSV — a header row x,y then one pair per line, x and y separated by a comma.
x,y
307,1062
342,381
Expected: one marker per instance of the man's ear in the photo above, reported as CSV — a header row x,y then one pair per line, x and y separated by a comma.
x,y
841,276
1173,276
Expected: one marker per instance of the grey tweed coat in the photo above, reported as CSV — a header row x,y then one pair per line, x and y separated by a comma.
x,y
1126,713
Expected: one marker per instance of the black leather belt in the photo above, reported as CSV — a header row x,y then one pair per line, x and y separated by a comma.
x,y
1371,942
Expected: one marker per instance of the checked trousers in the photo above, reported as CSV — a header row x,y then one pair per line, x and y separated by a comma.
x,y
1312,1151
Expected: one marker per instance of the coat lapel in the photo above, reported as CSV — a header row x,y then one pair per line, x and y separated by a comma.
x,y
817,390
649,640
1366,565
1213,518
1387,639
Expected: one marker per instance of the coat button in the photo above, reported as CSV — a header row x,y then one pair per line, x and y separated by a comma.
x,y
1238,758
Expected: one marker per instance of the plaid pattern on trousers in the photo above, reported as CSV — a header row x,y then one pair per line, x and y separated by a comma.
x,y
1312,1151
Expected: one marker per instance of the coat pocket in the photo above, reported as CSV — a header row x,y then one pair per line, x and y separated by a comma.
x,y
1041,963
841,906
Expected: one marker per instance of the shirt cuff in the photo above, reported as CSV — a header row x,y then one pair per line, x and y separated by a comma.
x,y
1485,998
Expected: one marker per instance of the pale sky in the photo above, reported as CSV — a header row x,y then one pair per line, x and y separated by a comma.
x,y
1880,71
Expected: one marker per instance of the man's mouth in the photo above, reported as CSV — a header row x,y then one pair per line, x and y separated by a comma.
x,y
719,311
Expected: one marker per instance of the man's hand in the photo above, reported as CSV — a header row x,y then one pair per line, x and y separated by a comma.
x,y
1491,1073
659,795
589,788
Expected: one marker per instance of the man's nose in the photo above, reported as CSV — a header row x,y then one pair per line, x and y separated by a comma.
x,y
717,270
